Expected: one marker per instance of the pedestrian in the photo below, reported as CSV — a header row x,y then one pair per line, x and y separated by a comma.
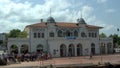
x,y
91,55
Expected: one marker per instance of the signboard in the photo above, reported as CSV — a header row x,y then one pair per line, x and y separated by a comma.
x,y
70,37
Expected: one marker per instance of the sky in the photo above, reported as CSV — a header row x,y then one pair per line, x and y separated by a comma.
x,y
16,14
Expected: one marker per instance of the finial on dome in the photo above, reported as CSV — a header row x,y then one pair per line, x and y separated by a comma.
x,y
81,20
81,13
50,12
50,20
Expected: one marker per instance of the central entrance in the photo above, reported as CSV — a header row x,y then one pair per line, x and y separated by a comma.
x,y
93,49
79,50
24,49
62,50
71,50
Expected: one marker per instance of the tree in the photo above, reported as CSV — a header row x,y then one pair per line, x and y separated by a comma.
x,y
23,34
16,33
103,35
116,39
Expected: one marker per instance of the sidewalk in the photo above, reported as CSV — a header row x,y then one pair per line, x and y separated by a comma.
x,y
82,60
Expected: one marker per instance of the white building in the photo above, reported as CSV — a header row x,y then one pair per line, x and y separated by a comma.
x,y
3,41
62,39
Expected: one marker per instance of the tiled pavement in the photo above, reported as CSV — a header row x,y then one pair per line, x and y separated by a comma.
x,y
82,60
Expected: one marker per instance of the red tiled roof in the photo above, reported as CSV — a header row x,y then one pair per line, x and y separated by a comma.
x,y
62,24
37,25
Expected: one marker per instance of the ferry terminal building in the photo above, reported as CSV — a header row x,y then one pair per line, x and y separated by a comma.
x,y
62,39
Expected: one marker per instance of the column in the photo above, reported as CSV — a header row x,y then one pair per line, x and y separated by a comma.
x,y
19,51
8,49
66,50
75,50
106,50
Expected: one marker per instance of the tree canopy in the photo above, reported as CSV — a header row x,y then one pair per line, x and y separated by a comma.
x,y
16,33
103,35
116,39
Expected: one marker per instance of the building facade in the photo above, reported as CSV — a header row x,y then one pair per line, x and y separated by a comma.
x,y
62,39
3,41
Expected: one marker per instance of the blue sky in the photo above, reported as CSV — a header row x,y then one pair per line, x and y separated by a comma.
x,y
16,14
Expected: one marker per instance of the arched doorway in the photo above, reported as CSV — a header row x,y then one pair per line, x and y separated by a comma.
x,y
109,46
103,48
93,49
39,48
14,49
79,50
24,49
62,50
71,50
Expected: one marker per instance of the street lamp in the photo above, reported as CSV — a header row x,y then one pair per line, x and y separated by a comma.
x,y
101,52
100,45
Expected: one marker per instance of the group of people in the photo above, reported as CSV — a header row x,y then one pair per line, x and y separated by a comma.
x,y
14,58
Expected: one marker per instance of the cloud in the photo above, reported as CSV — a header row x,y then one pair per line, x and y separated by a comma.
x,y
101,1
16,15
110,10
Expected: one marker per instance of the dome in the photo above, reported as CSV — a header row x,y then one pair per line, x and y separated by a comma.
x,y
81,21
50,20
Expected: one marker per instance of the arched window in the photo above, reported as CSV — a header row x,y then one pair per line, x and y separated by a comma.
x,y
68,33
51,34
83,34
60,33
76,33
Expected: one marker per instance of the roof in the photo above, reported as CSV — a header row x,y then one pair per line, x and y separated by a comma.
x,y
62,24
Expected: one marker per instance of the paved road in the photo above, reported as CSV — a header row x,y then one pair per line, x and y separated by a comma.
x,y
82,60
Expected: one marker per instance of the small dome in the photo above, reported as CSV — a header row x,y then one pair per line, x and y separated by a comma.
x,y
81,21
50,20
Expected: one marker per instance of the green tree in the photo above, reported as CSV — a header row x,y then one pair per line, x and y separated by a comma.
x,y
16,33
116,39
23,34
103,35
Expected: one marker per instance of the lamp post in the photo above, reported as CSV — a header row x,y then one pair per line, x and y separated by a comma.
x,y
101,53
100,45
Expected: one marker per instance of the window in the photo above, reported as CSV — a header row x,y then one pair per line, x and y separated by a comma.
x,y
92,34
75,33
60,33
38,35
95,35
89,34
42,35
68,34
35,35
83,34
51,34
